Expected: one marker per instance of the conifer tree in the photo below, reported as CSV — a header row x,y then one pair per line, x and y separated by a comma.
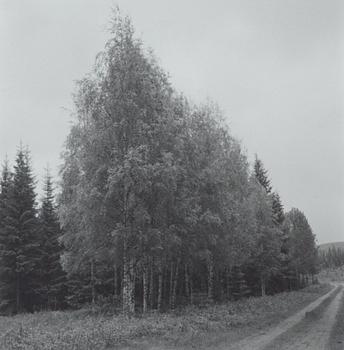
x,y
277,209
332,257
239,288
25,229
8,243
303,250
52,276
261,175
268,244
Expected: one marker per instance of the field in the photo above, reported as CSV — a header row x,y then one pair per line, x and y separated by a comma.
x,y
189,328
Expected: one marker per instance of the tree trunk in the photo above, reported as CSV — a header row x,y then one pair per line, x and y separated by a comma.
x,y
228,281
174,288
171,284
120,285
115,284
187,283
18,306
128,285
191,286
210,263
151,284
145,287
132,286
263,286
93,291
125,285
160,285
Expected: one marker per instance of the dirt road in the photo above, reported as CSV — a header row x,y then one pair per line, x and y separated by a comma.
x,y
309,329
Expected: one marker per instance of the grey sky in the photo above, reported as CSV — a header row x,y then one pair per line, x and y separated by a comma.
x,y
275,67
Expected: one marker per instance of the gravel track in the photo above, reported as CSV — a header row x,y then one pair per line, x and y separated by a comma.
x,y
309,329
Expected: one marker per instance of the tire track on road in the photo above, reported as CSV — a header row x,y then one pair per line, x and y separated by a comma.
x,y
313,332
262,341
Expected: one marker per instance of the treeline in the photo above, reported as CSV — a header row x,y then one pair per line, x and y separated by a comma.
x,y
158,206
332,257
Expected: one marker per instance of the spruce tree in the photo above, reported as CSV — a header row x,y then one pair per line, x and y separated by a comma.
x,y
261,175
239,288
268,243
25,229
277,209
8,243
52,277
303,250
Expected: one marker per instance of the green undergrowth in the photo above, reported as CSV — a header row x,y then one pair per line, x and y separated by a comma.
x,y
187,328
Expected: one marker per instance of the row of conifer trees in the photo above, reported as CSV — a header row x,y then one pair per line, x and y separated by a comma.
x,y
31,276
157,205
332,257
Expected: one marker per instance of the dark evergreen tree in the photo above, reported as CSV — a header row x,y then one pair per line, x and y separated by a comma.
x,y
8,244
277,209
52,277
261,175
303,249
280,282
79,290
25,229
239,288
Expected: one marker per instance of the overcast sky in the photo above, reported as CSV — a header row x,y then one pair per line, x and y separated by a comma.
x,y
275,67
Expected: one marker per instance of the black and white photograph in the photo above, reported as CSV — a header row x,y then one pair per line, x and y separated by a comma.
x,y
171,175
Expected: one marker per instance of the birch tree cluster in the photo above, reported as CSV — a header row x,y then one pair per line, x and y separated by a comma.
x,y
158,205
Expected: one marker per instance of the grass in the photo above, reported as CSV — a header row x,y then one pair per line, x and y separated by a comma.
x,y
188,328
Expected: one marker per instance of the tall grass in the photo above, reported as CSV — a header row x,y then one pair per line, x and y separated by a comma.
x,y
80,330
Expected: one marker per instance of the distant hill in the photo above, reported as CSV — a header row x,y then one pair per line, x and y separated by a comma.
x,y
326,246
